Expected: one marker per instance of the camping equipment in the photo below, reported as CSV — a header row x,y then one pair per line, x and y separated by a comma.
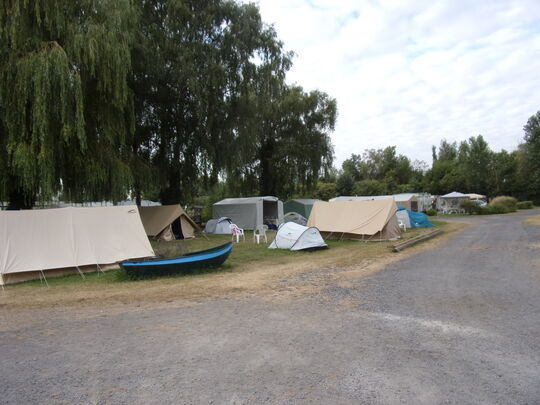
x,y
250,212
301,206
364,220
415,219
59,241
220,226
295,217
297,237
167,222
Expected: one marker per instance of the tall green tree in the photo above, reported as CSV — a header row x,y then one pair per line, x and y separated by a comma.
x,y
65,106
530,161
295,146
476,160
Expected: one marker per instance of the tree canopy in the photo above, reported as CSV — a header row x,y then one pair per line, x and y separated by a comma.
x,y
65,106
176,99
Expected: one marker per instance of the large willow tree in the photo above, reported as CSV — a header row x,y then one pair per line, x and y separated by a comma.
x,y
66,110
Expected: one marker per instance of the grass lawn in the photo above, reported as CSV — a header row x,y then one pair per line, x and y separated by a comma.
x,y
250,267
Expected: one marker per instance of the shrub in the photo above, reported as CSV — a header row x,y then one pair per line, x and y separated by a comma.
x,y
524,205
502,205
471,207
431,212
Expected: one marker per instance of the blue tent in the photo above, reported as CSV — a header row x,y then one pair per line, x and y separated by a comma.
x,y
418,219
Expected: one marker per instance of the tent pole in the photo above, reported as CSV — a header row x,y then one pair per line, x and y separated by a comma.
x,y
47,284
80,272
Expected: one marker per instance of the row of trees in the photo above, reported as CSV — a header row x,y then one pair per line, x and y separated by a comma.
x,y
174,99
157,98
470,166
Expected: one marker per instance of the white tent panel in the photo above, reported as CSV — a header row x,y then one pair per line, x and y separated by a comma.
x,y
39,240
297,237
404,217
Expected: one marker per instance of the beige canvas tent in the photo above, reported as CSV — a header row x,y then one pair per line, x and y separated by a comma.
x,y
364,220
411,201
163,222
39,243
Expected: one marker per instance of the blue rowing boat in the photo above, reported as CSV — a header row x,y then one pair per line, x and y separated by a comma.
x,y
188,263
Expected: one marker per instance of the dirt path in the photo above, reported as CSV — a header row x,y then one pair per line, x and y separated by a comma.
x,y
457,324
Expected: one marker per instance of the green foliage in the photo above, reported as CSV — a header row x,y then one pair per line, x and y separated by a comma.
x,y
525,205
529,162
325,191
471,207
380,171
502,205
66,107
431,212
345,184
369,187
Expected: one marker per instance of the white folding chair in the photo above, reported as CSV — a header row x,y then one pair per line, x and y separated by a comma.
x,y
402,225
260,232
236,231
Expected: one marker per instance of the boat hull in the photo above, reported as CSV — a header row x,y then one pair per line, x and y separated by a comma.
x,y
186,264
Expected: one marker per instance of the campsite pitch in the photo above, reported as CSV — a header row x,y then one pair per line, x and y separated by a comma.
x,y
250,270
454,320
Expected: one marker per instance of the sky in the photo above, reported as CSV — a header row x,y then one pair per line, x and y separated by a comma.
x,y
410,73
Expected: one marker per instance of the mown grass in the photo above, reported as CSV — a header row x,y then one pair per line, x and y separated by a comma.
x,y
244,253
250,268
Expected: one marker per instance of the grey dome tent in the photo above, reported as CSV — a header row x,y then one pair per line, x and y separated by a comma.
x,y
295,217
297,237
219,226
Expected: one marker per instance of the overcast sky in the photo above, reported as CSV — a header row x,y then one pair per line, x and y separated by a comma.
x,y
410,72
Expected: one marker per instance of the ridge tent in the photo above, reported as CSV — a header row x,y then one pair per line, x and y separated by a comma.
x,y
364,220
302,206
248,213
219,226
297,237
295,217
65,240
164,222
414,219
411,201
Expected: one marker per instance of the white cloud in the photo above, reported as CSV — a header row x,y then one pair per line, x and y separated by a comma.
x,y
410,73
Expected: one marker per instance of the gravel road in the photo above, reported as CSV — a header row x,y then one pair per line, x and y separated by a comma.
x,y
459,324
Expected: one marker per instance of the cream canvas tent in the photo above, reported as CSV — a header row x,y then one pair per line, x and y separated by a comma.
x,y
248,213
36,243
411,201
364,220
164,222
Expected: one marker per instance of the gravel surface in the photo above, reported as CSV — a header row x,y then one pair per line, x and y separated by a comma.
x,y
459,324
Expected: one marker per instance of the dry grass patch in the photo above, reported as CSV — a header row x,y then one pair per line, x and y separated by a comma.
x,y
251,270
535,220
